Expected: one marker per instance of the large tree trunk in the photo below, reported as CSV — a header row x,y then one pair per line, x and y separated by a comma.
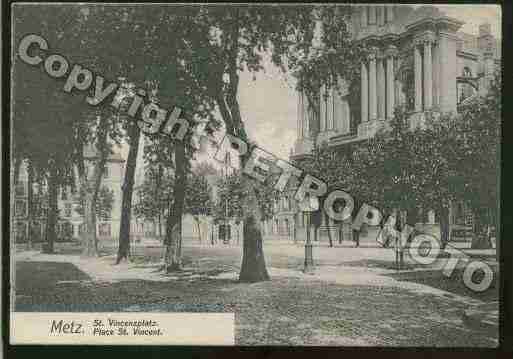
x,y
91,191
126,202
51,215
158,183
16,175
253,267
173,240
196,219
173,255
480,237
17,165
90,200
89,235
328,224
30,203
253,262
445,230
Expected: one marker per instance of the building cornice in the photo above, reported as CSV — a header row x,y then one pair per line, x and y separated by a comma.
x,y
466,55
449,35
443,22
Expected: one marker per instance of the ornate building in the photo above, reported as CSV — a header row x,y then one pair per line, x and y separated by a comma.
x,y
418,59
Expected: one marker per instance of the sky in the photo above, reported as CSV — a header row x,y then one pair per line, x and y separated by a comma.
x,y
269,103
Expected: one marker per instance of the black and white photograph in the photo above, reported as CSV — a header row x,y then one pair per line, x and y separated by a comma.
x,y
255,174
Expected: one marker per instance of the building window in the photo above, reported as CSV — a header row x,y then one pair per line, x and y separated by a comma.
x,y
104,229
36,231
20,208
20,189
21,231
467,72
67,210
64,194
106,172
105,215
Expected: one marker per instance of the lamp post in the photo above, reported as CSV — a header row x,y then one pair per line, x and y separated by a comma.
x,y
308,205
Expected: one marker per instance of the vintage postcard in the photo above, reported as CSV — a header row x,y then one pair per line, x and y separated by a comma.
x,y
255,174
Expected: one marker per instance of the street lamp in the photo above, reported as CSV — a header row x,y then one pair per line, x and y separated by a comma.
x,y
308,205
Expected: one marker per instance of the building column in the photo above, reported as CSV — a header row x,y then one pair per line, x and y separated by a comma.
x,y
329,110
372,15
436,74
322,110
306,117
447,66
390,13
418,78
300,115
399,100
428,75
381,88
365,93
380,15
363,18
373,101
391,53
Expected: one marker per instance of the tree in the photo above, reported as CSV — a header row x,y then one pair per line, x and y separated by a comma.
x,y
42,109
230,39
339,171
388,168
162,34
104,204
229,199
198,200
114,53
153,196
476,159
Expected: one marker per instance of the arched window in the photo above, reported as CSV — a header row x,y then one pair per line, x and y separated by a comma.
x,y
467,72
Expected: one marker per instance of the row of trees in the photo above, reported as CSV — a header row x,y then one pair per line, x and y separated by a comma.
x,y
186,56
156,192
190,56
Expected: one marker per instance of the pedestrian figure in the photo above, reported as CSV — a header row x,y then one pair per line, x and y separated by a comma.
x,y
390,234
386,235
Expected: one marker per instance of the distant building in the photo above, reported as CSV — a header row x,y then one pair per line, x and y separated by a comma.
x,y
70,222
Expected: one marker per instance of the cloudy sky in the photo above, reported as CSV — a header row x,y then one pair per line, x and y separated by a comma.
x,y
268,103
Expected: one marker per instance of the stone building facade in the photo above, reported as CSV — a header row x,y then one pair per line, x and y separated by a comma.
x,y
70,221
418,58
